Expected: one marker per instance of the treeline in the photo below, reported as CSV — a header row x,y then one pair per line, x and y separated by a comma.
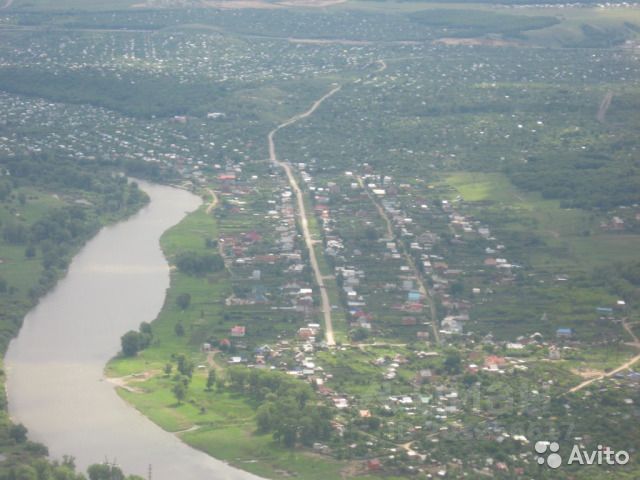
x,y
472,23
51,172
288,408
137,95
604,37
579,181
622,279
42,469
32,464
283,23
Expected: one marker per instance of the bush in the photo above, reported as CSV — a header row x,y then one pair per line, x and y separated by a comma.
x,y
195,264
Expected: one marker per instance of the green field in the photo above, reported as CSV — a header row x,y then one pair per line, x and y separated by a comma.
x,y
562,229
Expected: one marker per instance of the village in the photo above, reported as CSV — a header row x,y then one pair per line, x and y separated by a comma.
x,y
472,315
402,383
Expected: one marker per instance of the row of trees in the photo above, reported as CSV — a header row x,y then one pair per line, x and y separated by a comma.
x,y
42,469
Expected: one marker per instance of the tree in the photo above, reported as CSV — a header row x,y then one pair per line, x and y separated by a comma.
x,y
193,263
183,300
211,379
453,362
130,342
167,369
145,327
264,417
359,334
288,434
469,379
104,471
374,423
25,472
179,329
15,233
185,366
18,433
179,391
456,289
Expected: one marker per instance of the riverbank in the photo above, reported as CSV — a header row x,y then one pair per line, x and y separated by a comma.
x,y
216,421
32,210
56,363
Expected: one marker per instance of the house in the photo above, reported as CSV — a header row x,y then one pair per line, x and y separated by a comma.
x,y
423,376
414,296
452,325
305,333
494,362
238,331
564,333
252,237
409,321
340,402
374,465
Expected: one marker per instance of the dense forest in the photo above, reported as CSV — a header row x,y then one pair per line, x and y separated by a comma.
x,y
583,181
137,95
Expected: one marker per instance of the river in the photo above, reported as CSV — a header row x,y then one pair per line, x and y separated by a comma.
x,y
56,386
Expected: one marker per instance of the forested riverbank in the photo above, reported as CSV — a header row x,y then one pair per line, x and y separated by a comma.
x,y
49,208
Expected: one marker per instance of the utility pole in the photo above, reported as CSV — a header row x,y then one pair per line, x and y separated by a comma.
x,y
150,471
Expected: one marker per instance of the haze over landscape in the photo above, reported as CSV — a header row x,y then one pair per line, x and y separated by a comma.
x,y
319,239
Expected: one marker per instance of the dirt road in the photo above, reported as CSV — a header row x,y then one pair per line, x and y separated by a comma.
x,y
304,223
631,333
421,286
604,106
214,201
622,367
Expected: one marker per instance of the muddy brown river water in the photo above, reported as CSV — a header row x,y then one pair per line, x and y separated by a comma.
x,y
56,386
